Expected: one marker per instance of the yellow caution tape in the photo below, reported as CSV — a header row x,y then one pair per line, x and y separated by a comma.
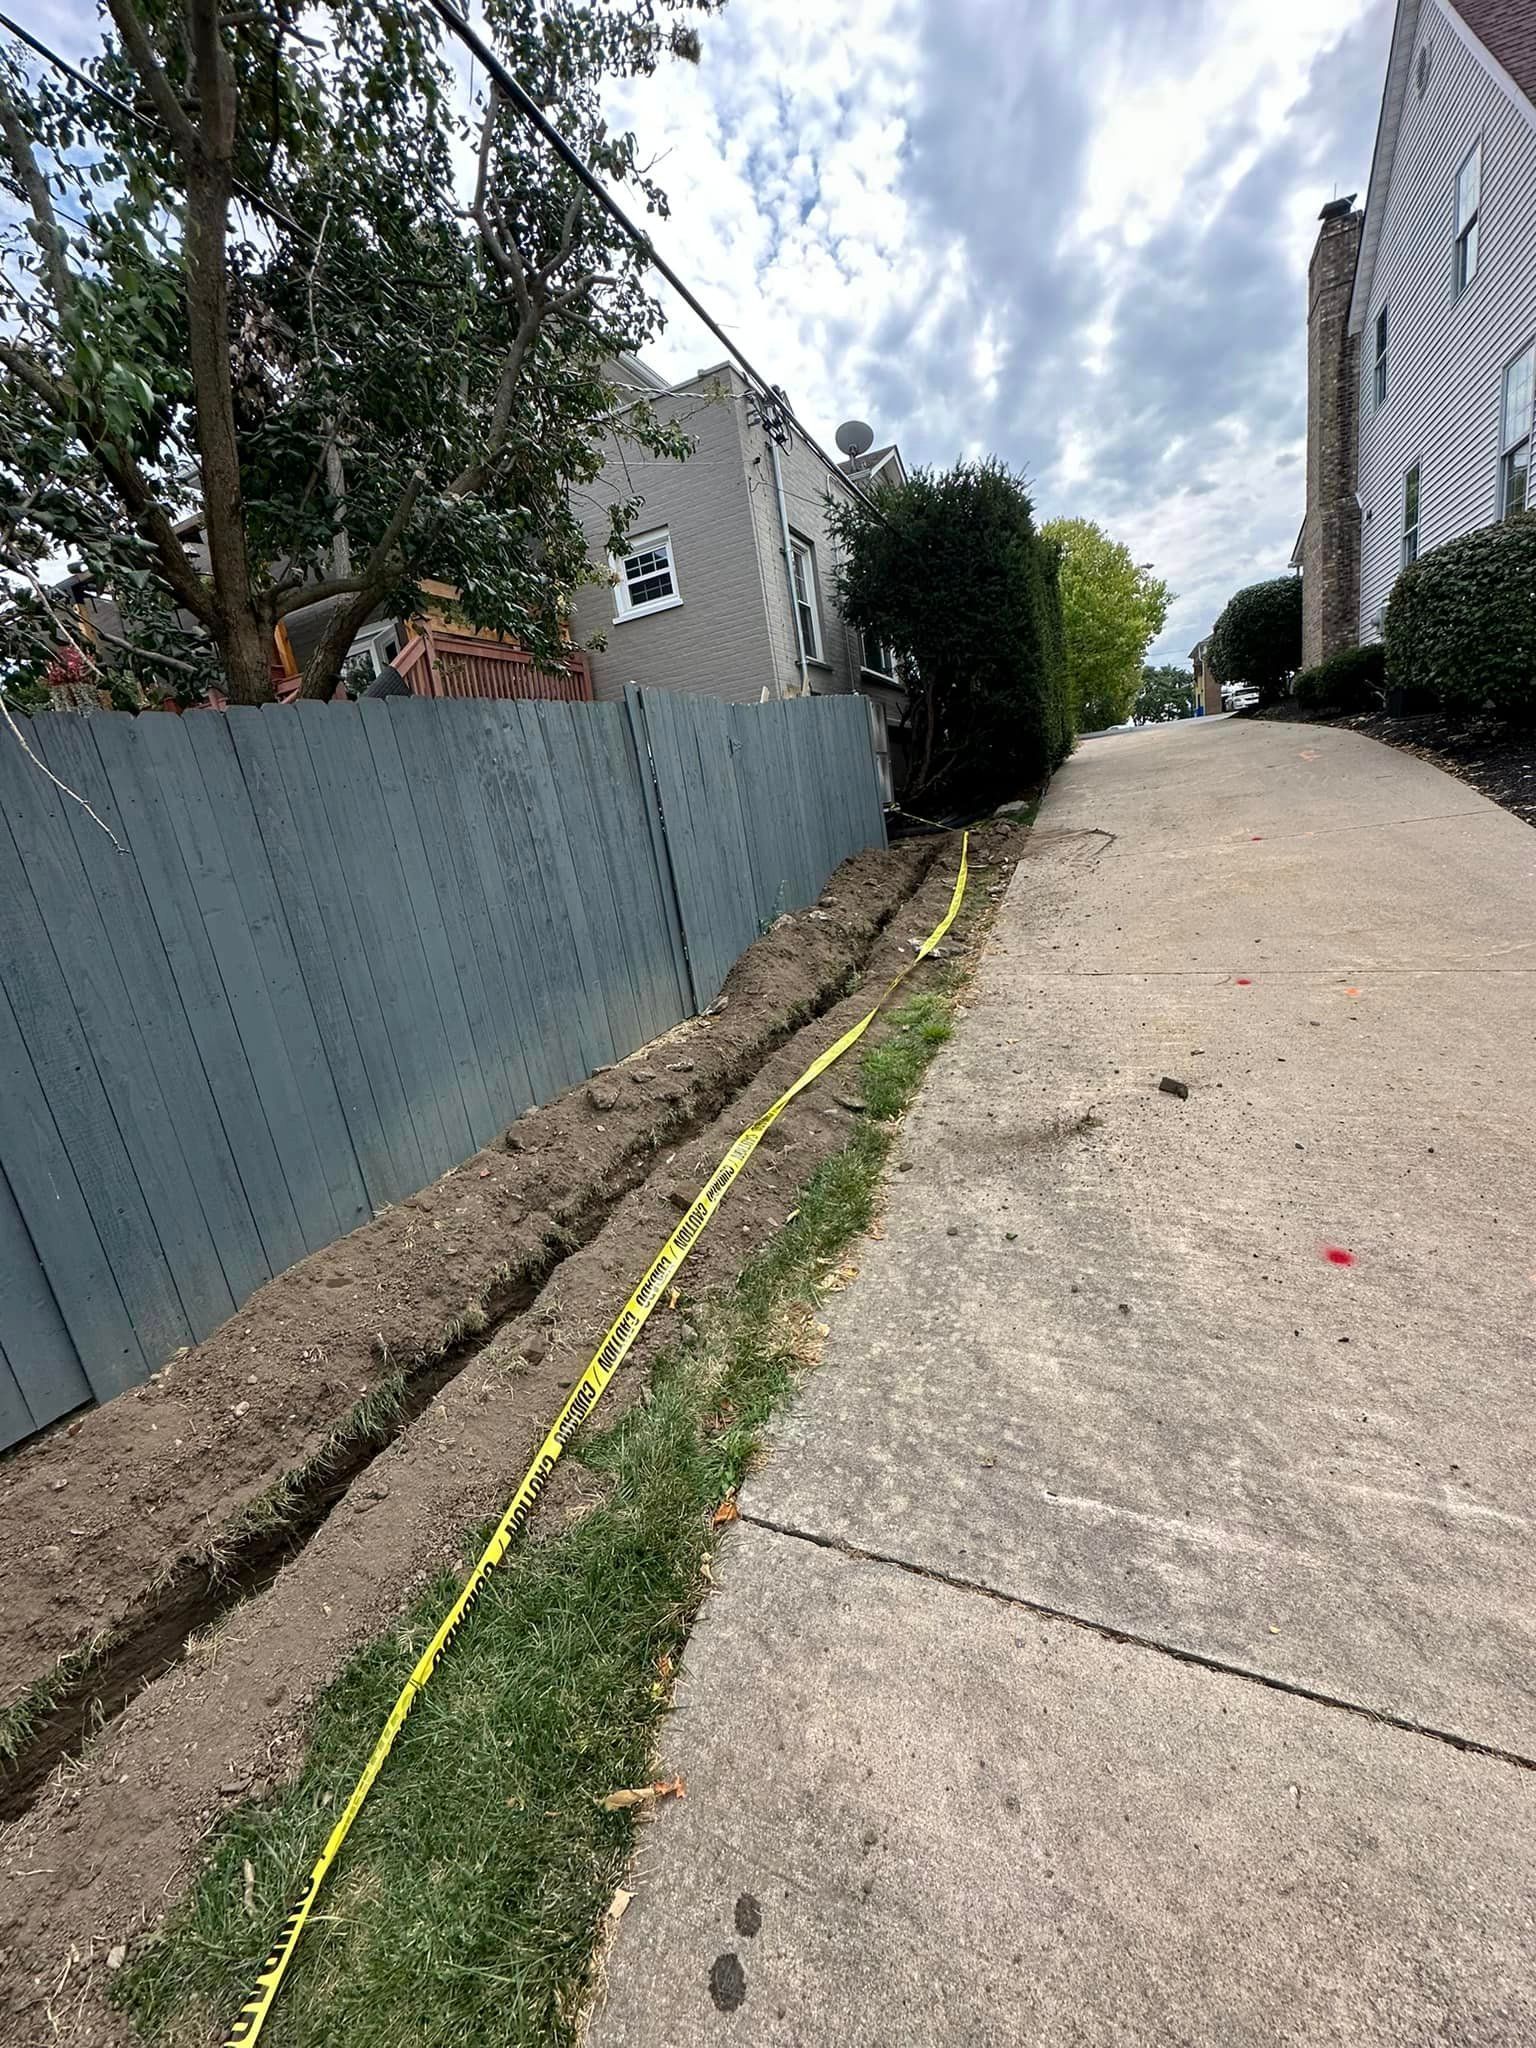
x,y
584,1397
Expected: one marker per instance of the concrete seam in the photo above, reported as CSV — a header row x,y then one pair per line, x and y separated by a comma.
x,y
1107,1632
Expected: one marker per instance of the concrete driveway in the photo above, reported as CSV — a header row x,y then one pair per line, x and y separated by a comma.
x,y
1133,1636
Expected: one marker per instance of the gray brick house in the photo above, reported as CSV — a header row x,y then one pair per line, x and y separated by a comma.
x,y
1421,317
728,589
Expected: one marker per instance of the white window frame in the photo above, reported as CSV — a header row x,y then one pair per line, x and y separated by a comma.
x,y
372,644
870,668
1467,245
802,575
1383,340
1510,443
657,538
1413,474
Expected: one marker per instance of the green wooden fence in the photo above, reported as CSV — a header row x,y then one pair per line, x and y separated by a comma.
x,y
335,949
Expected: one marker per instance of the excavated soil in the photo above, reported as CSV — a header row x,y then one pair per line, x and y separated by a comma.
x,y
113,1839
99,1514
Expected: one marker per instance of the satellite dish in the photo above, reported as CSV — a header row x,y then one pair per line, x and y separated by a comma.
x,y
854,438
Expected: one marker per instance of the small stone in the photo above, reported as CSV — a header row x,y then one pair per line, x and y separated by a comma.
x,y
953,1230
602,1098
905,1165
241,1408
535,1351
1125,1308
681,1199
1169,1086
59,1485
117,1956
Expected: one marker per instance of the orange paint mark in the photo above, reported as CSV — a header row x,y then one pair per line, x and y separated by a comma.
x,y
1353,991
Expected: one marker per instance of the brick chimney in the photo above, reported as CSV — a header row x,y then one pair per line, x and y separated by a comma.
x,y
1330,541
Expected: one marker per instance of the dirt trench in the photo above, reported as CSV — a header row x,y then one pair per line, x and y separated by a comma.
x,y
114,1838
104,1519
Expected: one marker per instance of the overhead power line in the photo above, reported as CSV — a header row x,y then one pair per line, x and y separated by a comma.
x,y
770,395
532,112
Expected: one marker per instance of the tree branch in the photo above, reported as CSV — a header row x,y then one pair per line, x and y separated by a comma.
x,y
44,226
141,54
147,514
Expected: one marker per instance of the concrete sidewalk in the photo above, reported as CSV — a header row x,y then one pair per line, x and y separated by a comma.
x,y
1133,1636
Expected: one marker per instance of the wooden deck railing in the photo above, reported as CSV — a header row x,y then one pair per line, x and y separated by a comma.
x,y
459,665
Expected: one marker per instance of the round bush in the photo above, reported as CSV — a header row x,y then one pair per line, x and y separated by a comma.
x,y
1257,638
1461,623
1351,680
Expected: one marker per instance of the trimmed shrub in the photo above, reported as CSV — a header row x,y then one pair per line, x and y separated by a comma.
x,y
1257,639
1460,626
1351,680
952,576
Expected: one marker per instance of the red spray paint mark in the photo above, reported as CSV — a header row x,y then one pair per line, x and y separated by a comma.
x,y
1256,837
1244,982
1336,1255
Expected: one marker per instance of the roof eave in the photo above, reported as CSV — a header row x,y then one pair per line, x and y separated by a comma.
x,y
1405,33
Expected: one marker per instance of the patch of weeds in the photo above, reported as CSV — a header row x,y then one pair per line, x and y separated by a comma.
x,y
21,1722
465,1907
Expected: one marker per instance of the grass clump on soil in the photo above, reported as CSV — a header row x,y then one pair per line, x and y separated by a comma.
x,y
467,1903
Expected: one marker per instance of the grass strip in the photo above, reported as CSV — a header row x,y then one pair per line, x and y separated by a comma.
x,y
468,1903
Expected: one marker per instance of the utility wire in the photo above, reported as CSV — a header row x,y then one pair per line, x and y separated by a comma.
x,y
532,112
62,64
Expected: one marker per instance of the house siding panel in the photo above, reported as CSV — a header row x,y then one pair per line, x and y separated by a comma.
x,y
733,635
1447,355
716,642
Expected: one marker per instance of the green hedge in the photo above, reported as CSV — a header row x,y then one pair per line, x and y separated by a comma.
x,y
1351,680
1257,638
1460,625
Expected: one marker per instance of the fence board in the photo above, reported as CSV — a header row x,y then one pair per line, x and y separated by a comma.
x,y
261,972
434,737
41,1362
73,748
296,833
78,909
533,951
343,946
431,931
71,1100
154,839
365,846
538,762
651,947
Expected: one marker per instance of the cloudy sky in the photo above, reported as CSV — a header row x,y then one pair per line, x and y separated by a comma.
x,y
1073,233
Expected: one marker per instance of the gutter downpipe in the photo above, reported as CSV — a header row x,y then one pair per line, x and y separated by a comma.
x,y
789,566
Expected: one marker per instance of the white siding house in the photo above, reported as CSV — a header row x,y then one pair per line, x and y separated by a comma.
x,y
1442,319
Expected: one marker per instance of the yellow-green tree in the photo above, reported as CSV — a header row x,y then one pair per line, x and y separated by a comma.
x,y
1112,609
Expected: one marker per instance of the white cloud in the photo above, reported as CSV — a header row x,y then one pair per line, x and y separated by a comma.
x,y
1074,235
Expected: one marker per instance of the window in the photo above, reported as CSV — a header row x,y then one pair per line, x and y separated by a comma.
x,y
647,579
874,656
1381,357
802,569
1515,438
1469,200
1411,516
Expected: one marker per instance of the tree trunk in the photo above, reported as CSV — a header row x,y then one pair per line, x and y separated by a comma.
x,y
242,636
